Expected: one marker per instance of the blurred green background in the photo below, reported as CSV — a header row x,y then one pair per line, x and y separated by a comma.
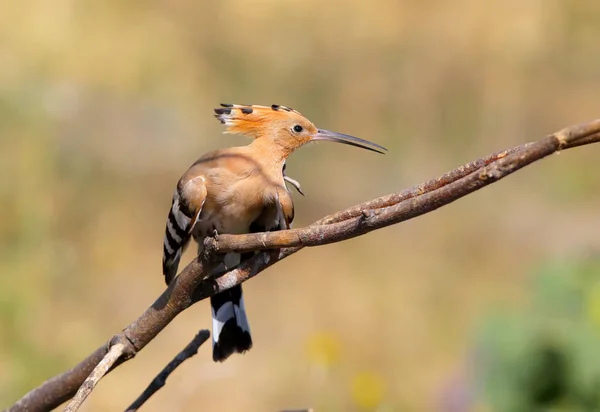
x,y
104,104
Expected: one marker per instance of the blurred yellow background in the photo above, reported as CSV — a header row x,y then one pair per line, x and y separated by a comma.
x,y
104,104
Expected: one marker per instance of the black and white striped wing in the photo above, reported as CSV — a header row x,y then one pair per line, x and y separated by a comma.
x,y
186,206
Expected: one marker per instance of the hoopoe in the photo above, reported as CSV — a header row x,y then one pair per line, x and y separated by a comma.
x,y
240,190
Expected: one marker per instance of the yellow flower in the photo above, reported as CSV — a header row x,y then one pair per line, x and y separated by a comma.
x,y
367,390
324,349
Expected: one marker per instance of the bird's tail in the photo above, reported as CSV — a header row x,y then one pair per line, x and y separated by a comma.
x,y
231,331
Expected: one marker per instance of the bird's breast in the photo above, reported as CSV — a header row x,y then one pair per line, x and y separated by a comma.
x,y
231,208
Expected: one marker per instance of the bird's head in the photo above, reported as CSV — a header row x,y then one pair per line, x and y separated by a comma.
x,y
282,127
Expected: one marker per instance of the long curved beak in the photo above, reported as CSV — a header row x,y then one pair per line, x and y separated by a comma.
x,y
347,139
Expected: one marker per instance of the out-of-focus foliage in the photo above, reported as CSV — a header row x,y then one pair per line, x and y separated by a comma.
x,y
103,104
545,357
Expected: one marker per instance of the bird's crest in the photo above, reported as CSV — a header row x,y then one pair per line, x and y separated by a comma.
x,y
253,120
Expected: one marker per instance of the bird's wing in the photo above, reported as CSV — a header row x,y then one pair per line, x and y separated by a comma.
x,y
186,206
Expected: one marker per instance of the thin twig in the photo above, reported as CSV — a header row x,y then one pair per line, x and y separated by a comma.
x,y
115,352
159,381
191,285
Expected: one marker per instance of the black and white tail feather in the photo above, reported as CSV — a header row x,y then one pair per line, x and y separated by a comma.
x,y
231,330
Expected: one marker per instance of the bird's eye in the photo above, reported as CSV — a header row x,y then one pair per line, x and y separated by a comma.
x,y
297,128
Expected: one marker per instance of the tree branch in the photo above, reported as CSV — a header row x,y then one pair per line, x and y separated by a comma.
x,y
392,209
191,285
115,352
159,381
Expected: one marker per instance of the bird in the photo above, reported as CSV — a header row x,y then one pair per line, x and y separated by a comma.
x,y
239,190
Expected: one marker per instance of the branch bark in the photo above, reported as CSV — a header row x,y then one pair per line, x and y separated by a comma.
x,y
191,285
